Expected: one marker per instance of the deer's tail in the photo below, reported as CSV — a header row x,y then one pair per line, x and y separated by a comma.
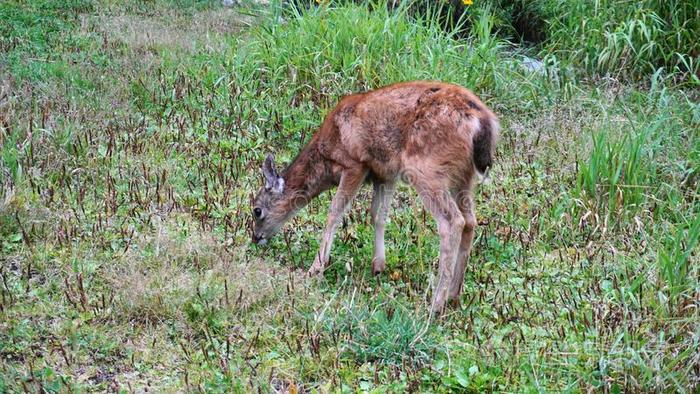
x,y
484,144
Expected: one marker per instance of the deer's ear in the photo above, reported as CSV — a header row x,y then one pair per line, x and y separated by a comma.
x,y
268,169
273,181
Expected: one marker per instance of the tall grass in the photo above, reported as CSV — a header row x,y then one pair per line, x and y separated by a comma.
x,y
617,173
625,38
353,47
620,38
675,265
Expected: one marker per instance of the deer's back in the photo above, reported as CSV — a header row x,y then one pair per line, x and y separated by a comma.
x,y
391,128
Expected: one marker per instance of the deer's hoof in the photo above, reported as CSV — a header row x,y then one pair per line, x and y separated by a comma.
x,y
437,311
316,269
378,265
439,303
313,272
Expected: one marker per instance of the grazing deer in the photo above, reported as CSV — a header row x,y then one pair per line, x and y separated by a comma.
x,y
433,135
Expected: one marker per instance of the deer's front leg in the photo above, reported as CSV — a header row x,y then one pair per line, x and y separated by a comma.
x,y
380,205
350,183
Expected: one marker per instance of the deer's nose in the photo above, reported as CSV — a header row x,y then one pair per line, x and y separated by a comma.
x,y
258,239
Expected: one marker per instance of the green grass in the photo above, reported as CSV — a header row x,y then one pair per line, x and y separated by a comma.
x,y
131,137
623,39
635,38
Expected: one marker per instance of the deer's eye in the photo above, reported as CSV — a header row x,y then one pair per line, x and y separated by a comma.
x,y
257,212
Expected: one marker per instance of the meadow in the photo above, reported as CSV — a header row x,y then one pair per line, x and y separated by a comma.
x,y
131,139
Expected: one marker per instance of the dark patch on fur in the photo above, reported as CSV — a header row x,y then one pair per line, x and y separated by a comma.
x,y
378,153
434,89
347,112
473,105
395,138
310,172
482,146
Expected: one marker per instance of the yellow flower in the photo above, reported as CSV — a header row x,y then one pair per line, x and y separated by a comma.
x,y
396,275
467,2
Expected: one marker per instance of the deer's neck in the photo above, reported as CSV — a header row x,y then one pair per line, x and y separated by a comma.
x,y
309,175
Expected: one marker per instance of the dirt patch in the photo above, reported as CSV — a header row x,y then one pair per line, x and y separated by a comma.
x,y
172,265
172,31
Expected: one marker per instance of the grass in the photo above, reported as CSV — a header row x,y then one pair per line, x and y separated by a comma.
x,y
623,39
131,136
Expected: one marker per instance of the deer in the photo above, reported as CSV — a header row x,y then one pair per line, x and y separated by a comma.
x,y
437,137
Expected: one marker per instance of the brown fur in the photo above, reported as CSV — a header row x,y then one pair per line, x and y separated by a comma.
x,y
433,135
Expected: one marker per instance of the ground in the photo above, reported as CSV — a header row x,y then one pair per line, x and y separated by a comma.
x,y
131,139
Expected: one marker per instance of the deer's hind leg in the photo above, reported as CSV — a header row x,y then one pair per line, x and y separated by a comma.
x,y
435,194
381,200
465,200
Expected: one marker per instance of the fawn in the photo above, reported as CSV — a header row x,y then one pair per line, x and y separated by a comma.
x,y
435,136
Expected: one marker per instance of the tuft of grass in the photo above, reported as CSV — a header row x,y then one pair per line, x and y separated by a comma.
x,y
615,177
673,260
387,334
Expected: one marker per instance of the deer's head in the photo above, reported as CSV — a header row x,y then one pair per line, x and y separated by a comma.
x,y
270,209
